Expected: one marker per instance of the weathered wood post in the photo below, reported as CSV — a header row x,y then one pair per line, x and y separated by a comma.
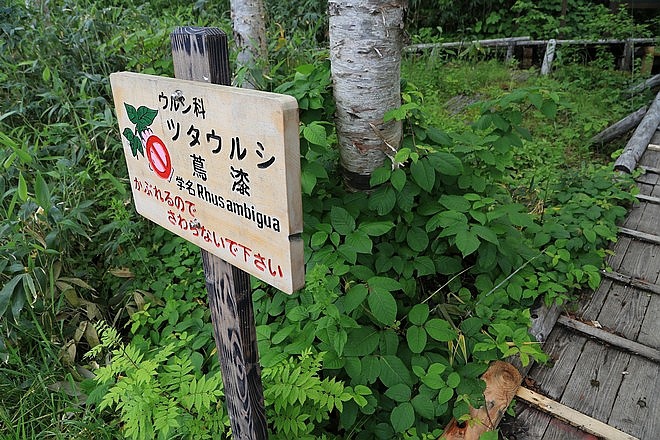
x,y
549,57
201,54
627,57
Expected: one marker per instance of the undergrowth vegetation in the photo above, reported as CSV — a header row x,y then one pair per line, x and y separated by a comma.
x,y
494,203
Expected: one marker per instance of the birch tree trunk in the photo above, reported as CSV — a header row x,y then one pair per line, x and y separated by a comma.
x,y
366,39
249,22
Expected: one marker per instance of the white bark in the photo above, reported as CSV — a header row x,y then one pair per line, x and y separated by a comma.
x,y
248,20
366,39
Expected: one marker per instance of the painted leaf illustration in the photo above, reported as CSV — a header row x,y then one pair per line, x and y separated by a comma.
x,y
134,141
131,113
143,117
146,117
136,145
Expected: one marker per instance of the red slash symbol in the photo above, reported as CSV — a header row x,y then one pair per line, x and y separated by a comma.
x,y
159,157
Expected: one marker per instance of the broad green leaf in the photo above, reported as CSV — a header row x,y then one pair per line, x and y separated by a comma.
x,y
423,406
370,368
423,174
453,379
307,181
438,136
549,109
342,220
424,266
318,239
472,326
419,314
444,395
383,305
520,218
402,417
603,231
467,242
448,265
445,219
361,341
360,242
382,200
433,380
377,228
354,297
384,283
398,179
536,99
485,233
399,392
440,330
416,338
446,163
315,134
541,239
42,192
455,203
589,235
348,252
393,371
417,239
380,176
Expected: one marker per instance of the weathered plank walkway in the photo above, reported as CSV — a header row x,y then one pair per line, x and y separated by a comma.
x,y
606,358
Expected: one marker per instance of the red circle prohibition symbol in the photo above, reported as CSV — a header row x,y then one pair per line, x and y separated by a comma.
x,y
159,157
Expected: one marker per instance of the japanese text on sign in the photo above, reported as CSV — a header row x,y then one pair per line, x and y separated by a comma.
x,y
218,166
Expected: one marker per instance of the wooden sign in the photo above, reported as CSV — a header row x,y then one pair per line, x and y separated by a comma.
x,y
218,166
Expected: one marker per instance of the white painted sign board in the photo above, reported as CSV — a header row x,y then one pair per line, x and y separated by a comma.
x,y
218,166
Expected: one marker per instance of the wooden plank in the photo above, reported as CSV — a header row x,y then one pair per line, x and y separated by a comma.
x,y
563,412
530,423
623,311
632,281
591,305
595,380
640,260
649,334
201,54
612,339
650,170
651,238
649,221
653,147
560,430
636,408
648,199
565,348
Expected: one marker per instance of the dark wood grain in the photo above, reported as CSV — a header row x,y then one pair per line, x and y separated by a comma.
x,y
201,54
596,379
635,409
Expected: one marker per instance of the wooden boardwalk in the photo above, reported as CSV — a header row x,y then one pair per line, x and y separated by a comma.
x,y
606,358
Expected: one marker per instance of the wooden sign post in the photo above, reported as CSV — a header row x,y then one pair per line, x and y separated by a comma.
x,y
219,166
